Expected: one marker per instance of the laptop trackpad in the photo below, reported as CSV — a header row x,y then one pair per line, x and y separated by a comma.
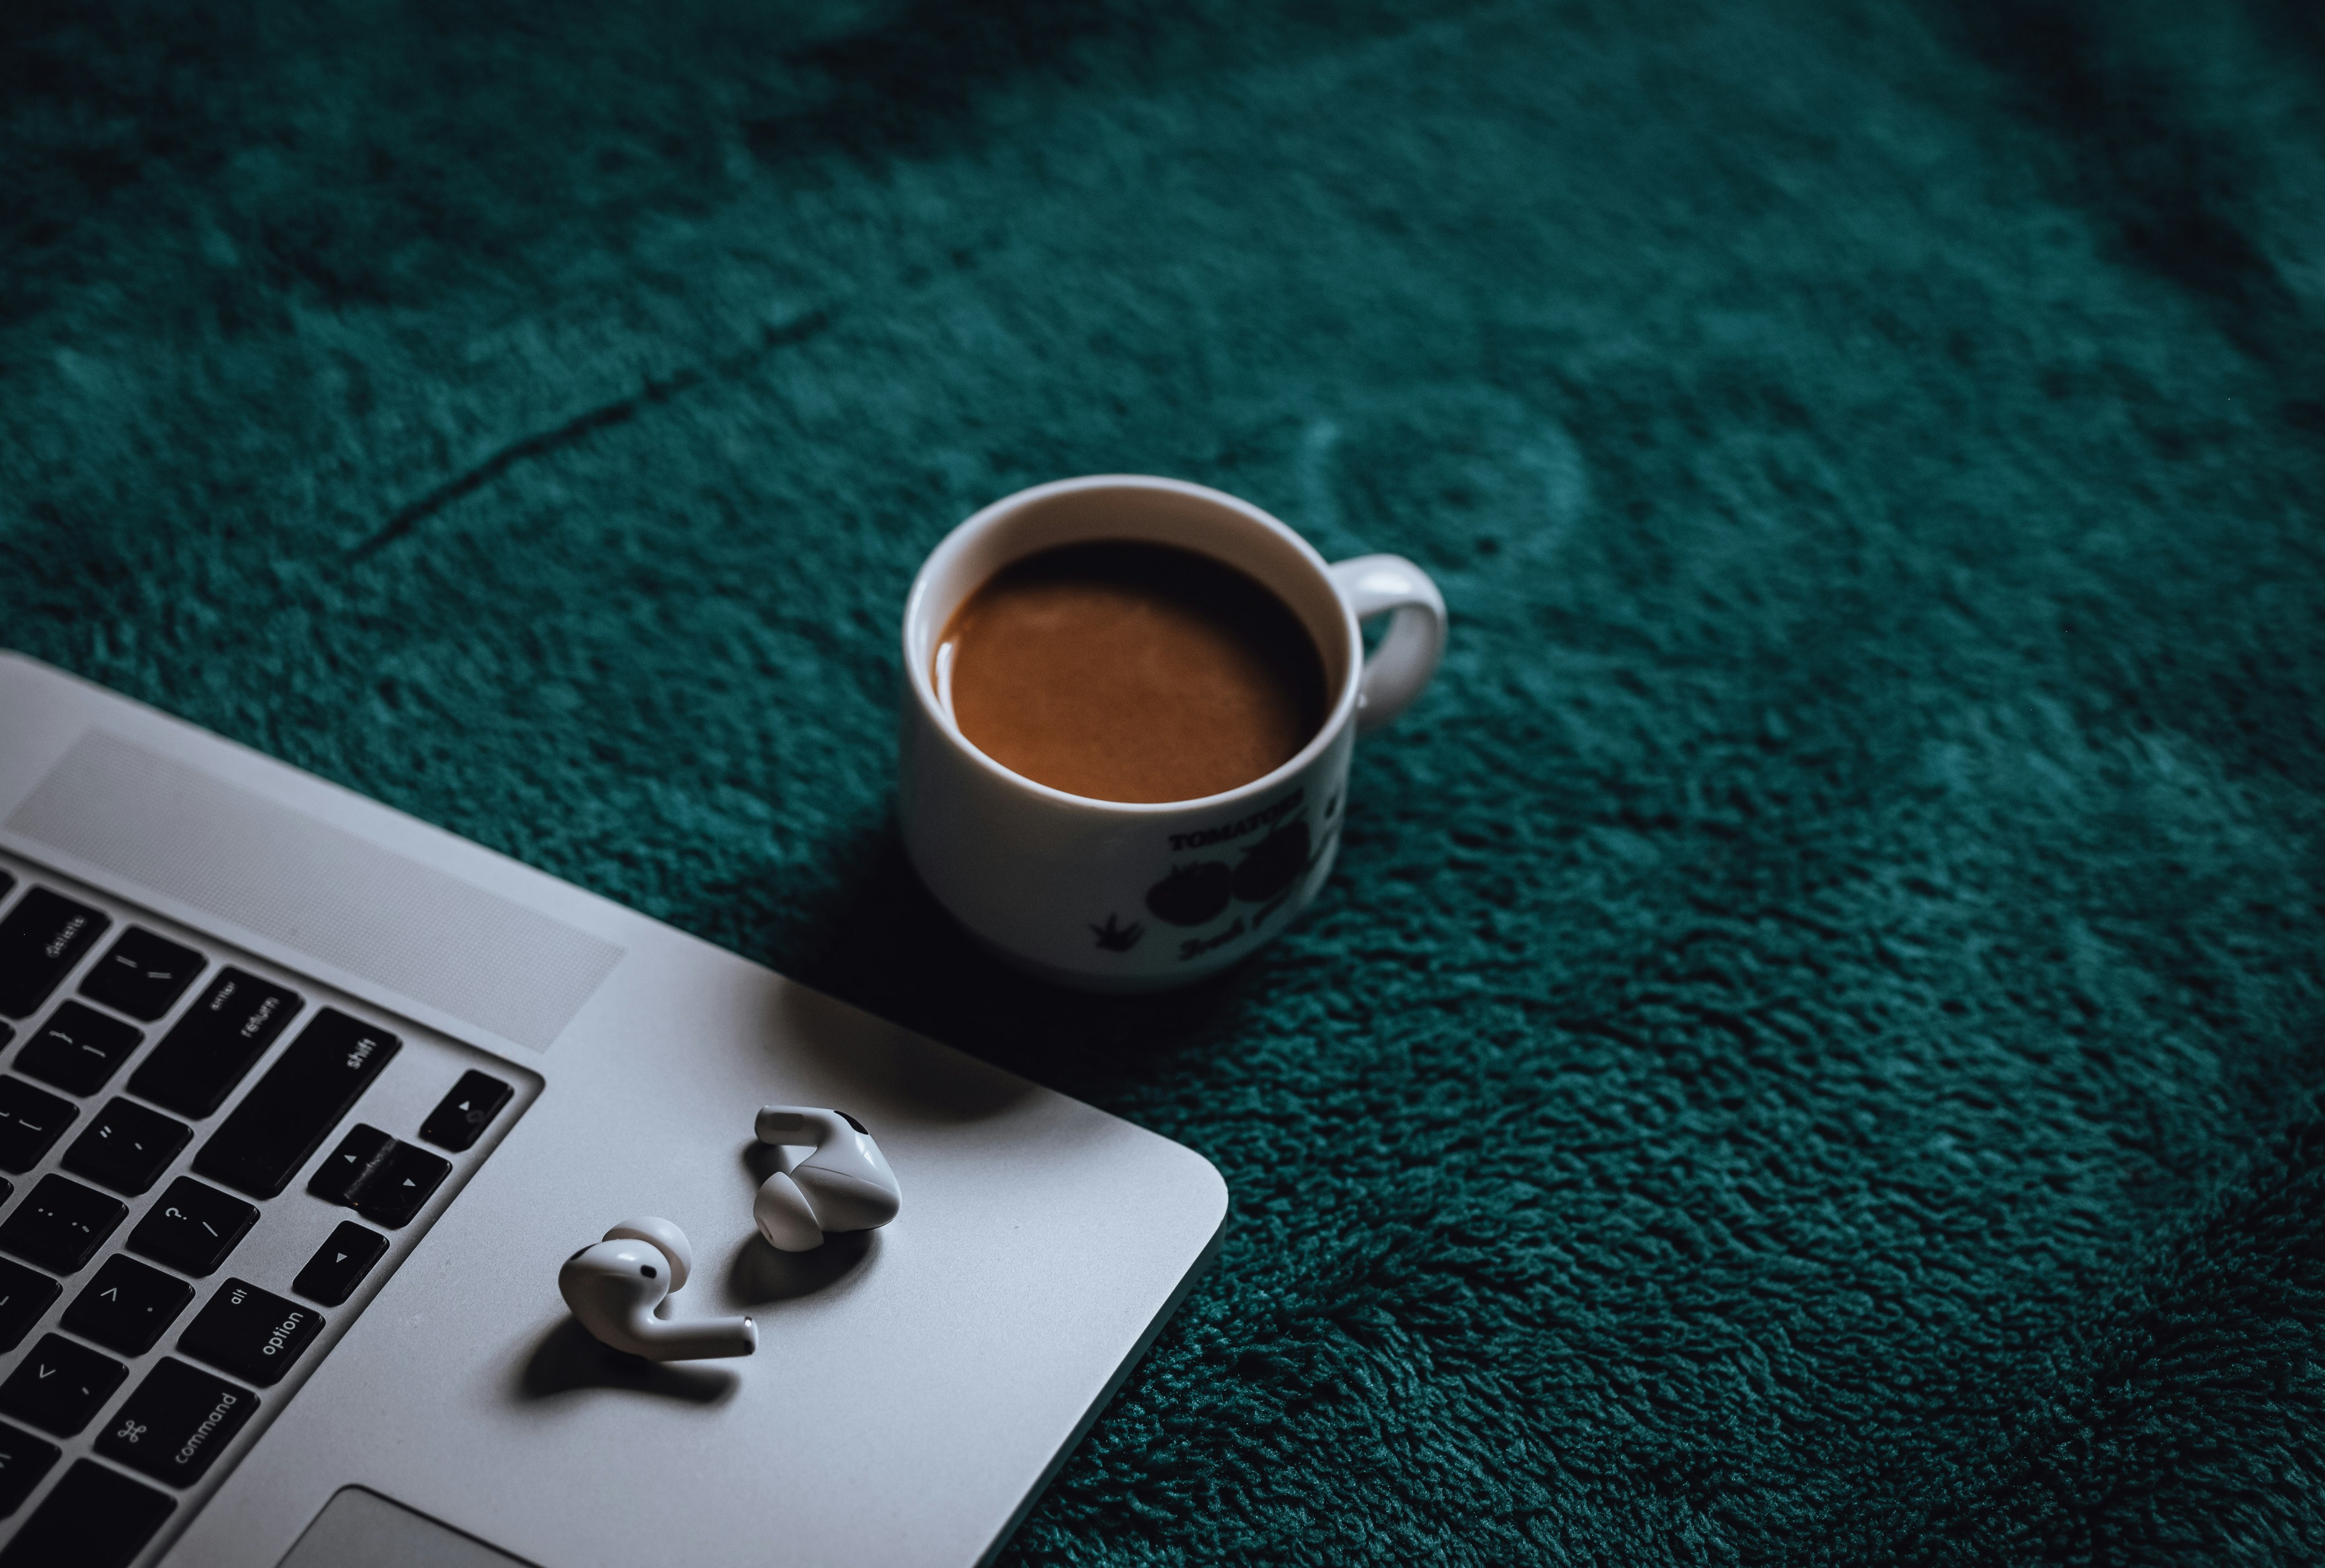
x,y
361,1529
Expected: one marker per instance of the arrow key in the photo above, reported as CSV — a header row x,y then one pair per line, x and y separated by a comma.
x,y
60,1385
126,1306
401,1183
347,1168
340,1264
457,1122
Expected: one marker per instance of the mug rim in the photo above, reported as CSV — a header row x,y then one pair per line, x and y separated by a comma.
x,y
923,684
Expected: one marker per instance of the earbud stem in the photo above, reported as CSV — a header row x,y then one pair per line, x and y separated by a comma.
x,y
798,1123
690,1340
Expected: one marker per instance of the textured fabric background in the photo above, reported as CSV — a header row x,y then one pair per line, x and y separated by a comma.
x,y
1814,1050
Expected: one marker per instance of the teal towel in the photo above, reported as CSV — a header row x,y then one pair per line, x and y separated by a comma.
x,y
1815,1050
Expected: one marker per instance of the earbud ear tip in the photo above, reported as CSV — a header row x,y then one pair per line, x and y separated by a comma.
x,y
784,1216
663,1237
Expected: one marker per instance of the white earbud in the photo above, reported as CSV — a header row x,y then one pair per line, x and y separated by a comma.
x,y
845,1184
617,1286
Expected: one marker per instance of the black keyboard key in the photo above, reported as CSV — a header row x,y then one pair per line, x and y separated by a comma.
x,y
59,1386
94,1518
25,1294
287,1113
191,1229
384,1181
79,1049
403,1181
340,1264
126,1305
198,1063
6,1033
344,1171
41,939
250,1333
460,1120
6,882
142,974
61,1224
177,1423
23,1461
127,1146
30,1122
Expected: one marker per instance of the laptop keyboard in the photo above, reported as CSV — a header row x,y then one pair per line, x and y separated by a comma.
x,y
167,1277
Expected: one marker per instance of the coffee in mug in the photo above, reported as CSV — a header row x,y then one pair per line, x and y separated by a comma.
x,y
1129,708
1123,670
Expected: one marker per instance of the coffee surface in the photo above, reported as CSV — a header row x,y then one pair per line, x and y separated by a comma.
x,y
1125,670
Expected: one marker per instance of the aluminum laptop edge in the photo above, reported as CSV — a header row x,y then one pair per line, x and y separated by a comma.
x,y
914,1388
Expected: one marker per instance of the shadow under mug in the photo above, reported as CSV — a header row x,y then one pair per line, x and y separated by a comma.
x,y
1111,895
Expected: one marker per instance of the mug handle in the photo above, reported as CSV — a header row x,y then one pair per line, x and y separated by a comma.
x,y
1407,657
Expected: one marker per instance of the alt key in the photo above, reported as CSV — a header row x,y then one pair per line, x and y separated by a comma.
x,y
250,1333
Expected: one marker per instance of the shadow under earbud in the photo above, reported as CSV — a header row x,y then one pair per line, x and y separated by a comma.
x,y
567,1358
762,1160
759,1274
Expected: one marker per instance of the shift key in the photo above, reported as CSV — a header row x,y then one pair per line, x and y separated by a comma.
x,y
288,1113
198,1063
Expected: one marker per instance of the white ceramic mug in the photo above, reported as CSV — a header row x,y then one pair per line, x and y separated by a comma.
x,y
1111,895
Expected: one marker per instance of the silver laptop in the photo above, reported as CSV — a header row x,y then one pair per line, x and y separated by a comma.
x,y
302,1102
